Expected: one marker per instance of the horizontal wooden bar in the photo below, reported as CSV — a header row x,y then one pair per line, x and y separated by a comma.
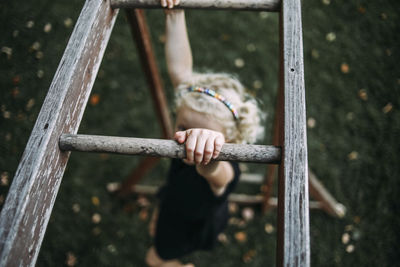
x,y
320,193
164,148
266,5
235,197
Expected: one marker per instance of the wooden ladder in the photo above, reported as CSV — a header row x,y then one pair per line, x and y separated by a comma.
x,y
31,197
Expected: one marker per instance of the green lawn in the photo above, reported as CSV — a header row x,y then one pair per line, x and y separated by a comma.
x,y
351,53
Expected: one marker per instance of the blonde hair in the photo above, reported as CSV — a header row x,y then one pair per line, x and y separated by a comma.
x,y
247,129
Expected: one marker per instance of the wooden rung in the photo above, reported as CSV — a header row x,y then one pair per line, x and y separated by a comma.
x,y
267,5
235,197
251,178
164,148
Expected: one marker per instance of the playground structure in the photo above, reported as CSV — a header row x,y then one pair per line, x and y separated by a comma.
x,y
31,197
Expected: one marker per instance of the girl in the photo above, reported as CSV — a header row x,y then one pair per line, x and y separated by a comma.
x,y
211,109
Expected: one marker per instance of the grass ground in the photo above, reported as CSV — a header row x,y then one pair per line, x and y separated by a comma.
x,y
351,51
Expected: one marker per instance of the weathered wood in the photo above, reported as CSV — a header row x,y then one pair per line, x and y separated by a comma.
x,y
31,197
138,25
328,202
267,5
293,247
164,148
234,197
251,178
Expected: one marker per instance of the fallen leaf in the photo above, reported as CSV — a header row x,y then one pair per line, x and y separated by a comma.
x,y
345,238
15,92
95,201
349,227
7,50
386,109
40,74
350,116
76,208
142,201
96,218
352,155
330,37
16,79
247,214
35,47
71,259
111,248
241,237
362,94
233,208
30,104
257,84
223,238
68,22
4,180
94,99
143,214
361,9
39,55
30,24
239,63
311,122
344,68
249,255
350,248
315,53
47,27
269,228
113,187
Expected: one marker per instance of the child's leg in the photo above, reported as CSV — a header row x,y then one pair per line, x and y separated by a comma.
x,y
153,260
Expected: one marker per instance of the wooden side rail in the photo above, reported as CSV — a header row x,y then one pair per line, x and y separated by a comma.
x,y
293,244
31,197
164,148
259,5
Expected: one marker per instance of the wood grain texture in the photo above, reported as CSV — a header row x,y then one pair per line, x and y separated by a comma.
x,y
293,247
267,5
31,197
164,148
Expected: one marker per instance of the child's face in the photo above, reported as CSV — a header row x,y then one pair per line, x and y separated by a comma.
x,y
187,119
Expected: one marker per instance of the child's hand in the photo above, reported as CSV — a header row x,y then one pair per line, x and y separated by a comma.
x,y
169,3
201,144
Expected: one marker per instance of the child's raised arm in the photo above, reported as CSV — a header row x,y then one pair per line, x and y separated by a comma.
x,y
177,47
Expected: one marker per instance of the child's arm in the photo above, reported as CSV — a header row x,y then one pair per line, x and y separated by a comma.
x,y
177,48
201,146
